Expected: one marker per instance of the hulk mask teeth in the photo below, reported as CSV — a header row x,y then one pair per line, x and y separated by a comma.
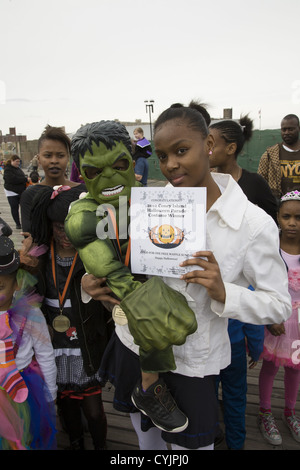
x,y
112,191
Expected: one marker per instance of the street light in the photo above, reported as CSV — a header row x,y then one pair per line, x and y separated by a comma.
x,y
149,108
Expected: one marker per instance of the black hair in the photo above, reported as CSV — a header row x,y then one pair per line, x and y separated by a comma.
x,y
45,210
235,132
279,204
55,133
291,116
107,132
34,176
195,114
12,159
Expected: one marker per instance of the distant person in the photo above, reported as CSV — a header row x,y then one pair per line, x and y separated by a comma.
x,y
34,178
35,163
14,185
142,151
75,175
280,164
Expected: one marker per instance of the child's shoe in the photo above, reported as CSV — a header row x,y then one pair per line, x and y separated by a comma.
x,y
267,425
158,404
293,423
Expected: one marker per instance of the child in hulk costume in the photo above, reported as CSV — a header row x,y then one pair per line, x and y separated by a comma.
x,y
158,317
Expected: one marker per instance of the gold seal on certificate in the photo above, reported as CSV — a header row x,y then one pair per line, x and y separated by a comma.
x,y
119,316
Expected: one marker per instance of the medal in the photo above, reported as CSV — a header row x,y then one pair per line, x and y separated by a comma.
x,y
119,316
61,323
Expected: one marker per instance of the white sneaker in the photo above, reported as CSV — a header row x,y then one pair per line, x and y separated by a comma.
x,y
293,423
267,425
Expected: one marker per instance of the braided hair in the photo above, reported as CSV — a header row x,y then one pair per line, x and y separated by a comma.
x,y
195,114
235,132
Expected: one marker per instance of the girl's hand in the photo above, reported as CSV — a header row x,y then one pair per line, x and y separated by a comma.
x,y
252,363
27,242
209,276
277,330
97,289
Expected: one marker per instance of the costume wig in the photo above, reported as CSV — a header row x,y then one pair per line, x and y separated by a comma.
x,y
107,132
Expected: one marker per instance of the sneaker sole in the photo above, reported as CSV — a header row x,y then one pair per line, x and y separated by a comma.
x,y
159,426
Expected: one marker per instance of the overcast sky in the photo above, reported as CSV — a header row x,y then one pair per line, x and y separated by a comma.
x,y
69,62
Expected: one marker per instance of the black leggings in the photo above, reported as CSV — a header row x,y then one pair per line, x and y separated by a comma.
x,y
70,412
14,202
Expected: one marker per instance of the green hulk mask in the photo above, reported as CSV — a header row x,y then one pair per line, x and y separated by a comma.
x,y
158,316
108,174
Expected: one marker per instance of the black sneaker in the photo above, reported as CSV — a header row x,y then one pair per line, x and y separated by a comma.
x,y
158,404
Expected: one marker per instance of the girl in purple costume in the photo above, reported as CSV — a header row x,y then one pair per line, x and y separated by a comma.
x,y
281,344
27,364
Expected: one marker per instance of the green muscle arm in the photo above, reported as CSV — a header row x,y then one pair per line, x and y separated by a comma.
x,y
158,316
98,255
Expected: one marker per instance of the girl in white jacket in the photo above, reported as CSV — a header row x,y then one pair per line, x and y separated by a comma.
x,y
242,250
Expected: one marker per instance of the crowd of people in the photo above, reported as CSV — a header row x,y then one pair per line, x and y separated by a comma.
x,y
73,316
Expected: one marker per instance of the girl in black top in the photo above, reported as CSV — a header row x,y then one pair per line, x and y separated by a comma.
x,y
79,331
54,148
230,137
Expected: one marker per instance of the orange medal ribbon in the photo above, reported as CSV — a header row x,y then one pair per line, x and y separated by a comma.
x,y
61,323
127,256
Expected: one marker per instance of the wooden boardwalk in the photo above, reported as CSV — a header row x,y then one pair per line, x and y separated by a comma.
x,y
121,436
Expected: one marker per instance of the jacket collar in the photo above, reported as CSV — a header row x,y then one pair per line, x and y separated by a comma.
x,y
231,205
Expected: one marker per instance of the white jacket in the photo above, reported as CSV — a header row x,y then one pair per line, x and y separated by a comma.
x,y
245,242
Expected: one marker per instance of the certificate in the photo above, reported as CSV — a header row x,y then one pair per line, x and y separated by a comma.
x,y
167,225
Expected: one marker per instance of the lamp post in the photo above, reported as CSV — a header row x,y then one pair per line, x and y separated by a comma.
x,y
150,108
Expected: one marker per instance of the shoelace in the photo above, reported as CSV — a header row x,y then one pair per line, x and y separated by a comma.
x,y
294,423
269,423
165,398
